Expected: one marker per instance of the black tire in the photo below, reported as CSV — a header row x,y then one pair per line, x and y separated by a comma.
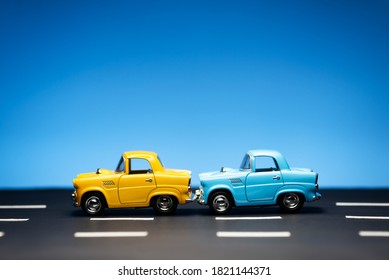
x,y
291,202
164,204
93,204
220,203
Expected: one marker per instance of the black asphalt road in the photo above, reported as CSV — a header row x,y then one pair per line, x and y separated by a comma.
x,y
320,231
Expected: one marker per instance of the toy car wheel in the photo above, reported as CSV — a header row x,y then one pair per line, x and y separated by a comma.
x,y
164,204
220,203
93,204
291,202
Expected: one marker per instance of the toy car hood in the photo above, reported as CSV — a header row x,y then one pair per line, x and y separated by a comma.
x,y
95,174
224,172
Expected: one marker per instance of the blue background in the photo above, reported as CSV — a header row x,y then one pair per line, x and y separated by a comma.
x,y
199,82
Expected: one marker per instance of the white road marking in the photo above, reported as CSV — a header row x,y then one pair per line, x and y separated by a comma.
x,y
112,234
368,217
253,234
23,206
14,220
1,234
374,233
247,218
362,204
122,219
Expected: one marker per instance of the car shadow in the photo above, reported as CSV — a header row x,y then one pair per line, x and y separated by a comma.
x,y
273,210
199,210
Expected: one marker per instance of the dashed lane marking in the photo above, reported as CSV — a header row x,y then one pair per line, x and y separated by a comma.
x,y
111,234
253,234
368,217
247,218
362,204
14,220
374,233
23,206
122,219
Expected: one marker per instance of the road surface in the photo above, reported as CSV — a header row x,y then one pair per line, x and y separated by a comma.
x,y
345,224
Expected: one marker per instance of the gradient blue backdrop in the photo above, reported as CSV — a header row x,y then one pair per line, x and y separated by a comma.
x,y
199,82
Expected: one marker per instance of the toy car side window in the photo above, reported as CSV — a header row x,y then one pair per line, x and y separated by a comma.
x,y
265,164
120,166
139,166
245,162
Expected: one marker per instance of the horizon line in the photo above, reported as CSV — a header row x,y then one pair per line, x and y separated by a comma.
x,y
69,187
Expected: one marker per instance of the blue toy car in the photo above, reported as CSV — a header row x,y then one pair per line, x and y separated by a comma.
x,y
264,178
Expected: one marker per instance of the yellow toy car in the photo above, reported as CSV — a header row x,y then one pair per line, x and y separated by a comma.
x,y
140,180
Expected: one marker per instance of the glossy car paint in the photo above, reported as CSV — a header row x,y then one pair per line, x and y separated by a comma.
x,y
249,187
122,189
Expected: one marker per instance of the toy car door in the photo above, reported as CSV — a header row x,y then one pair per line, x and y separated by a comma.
x,y
264,180
136,185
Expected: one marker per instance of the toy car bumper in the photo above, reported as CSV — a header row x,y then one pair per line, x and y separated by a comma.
x,y
200,196
317,196
193,197
197,196
74,198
